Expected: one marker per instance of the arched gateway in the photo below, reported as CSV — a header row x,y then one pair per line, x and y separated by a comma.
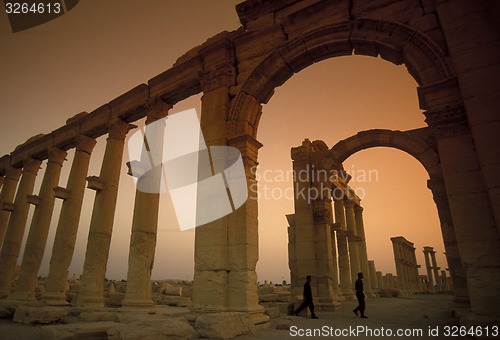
x,y
450,47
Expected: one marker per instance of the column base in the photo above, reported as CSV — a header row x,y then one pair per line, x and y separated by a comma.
x,y
21,296
55,299
348,294
90,301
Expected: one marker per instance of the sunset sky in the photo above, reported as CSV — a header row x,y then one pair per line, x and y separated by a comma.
x,y
101,49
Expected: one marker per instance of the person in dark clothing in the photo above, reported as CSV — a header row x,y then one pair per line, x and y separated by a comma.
x,y
308,299
360,294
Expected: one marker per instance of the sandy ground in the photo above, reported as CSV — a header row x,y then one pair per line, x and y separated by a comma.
x,y
427,314
414,314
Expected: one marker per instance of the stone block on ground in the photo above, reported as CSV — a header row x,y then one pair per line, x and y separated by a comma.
x,y
168,300
88,330
98,316
153,329
224,325
115,299
7,309
389,292
173,291
272,312
268,297
184,302
35,315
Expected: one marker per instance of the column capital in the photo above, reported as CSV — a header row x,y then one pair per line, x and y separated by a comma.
x,y
358,209
85,144
158,110
118,129
248,147
223,75
13,173
428,249
348,204
57,156
31,165
448,121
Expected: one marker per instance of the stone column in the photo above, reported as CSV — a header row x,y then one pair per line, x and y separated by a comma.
x,y
373,276
17,225
457,270
103,213
416,276
474,223
344,266
428,267
353,240
243,240
436,270
145,218
6,197
335,267
67,226
444,281
322,219
398,258
292,258
380,280
363,253
210,288
39,230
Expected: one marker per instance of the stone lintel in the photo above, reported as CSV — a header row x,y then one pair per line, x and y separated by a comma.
x,y
178,82
218,50
62,193
95,183
131,105
34,199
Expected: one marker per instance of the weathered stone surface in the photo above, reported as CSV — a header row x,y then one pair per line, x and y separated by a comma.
x,y
33,315
224,325
93,330
389,292
165,328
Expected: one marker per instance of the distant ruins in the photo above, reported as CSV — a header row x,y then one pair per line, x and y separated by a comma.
x,y
450,47
329,242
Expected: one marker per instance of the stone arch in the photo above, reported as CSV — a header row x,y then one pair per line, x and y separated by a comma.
x,y
400,44
402,140
421,149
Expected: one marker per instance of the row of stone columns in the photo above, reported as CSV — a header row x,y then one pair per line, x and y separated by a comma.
x,y
13,218
333,253
432,270
406,265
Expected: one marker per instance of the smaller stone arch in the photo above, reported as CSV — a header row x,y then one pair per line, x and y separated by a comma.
x,y
418,143
407,141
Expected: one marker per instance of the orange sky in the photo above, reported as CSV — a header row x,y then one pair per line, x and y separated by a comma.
x,y
102,49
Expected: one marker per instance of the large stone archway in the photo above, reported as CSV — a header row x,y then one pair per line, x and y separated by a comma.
x,y
450,47
291,45
417,143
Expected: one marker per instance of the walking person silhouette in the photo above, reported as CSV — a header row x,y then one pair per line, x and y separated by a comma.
x,y
308,299
360,294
